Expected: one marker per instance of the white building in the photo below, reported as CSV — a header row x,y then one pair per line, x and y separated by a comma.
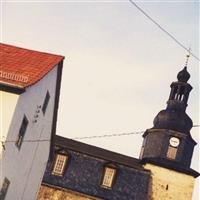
x,y
29,97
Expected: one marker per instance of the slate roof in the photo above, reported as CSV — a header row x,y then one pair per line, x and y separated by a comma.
x,y
98,152
84,170
21,67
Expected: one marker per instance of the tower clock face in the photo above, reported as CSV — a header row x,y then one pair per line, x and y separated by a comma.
x,y
174,141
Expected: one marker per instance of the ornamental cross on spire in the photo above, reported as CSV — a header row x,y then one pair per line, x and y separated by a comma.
x,y
187,57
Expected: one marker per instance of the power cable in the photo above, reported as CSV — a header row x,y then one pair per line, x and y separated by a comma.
x,y
114,135
163,29
107,135
90,137
196,126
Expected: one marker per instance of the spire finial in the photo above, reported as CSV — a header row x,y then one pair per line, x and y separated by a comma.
x,y
183,75
187,57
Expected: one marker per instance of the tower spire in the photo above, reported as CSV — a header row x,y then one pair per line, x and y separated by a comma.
x,y
169,141
187,57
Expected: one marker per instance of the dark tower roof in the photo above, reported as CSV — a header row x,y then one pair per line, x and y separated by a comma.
x,y
174,116
169,143
183,75
177,121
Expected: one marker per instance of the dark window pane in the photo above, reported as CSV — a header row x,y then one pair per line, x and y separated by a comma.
x,y
46,101
22,132
4,188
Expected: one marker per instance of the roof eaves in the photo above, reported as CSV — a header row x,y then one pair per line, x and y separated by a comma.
x,y
33,83
98,152
7,87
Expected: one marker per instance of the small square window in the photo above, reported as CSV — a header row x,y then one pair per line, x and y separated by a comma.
x,y
108,177
4,188
171,152
46,101
59,164
22,132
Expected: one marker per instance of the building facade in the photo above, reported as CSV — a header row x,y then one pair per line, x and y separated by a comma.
x,y
81,171
168,147
29,97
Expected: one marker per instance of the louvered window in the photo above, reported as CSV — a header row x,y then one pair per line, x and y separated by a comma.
x,y
171,153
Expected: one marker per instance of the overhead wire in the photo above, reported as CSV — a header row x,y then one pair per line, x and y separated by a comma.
x,y
107,135
163,29
91,137
197,125
114,135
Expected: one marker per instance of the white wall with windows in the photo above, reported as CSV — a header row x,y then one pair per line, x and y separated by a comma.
x,y
27,133
8,103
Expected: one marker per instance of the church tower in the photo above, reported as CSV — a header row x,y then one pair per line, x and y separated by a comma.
x,y
168,147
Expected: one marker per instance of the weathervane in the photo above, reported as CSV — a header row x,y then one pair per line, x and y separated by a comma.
x,y
187,57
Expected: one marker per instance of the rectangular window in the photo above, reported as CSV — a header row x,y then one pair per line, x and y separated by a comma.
x,y
4,188
46,101
22,132
171,153
141,152
108,177
59,164
143,145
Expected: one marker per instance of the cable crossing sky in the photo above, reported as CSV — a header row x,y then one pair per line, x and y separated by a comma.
x,y
164,30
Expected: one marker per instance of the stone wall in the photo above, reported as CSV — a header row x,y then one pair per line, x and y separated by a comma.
x,y
49,193
168,184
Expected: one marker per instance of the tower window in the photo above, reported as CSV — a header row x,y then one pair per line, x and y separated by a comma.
x,y
22,132
59,164
108,177
174,142
4,188
180,93
142,149
171,152
46,101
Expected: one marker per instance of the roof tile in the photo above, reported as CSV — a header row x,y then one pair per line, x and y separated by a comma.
x,y
22,67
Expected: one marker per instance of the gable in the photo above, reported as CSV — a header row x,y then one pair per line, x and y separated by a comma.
x,y
22,67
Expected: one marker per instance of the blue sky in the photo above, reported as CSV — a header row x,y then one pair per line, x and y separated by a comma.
x,y
118,66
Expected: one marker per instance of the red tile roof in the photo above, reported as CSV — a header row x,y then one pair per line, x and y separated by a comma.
x,y
22,67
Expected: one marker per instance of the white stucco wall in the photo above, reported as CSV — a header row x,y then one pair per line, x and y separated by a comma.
x,y
8,103
25,167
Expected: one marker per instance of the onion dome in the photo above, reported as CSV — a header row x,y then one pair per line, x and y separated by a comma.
x,y
173,120
174,116
183,75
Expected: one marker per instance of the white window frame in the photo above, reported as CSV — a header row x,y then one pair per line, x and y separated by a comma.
x,y
108,177
59,164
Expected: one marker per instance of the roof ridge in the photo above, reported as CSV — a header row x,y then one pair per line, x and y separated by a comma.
x,y
22,67
97,151
27,49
